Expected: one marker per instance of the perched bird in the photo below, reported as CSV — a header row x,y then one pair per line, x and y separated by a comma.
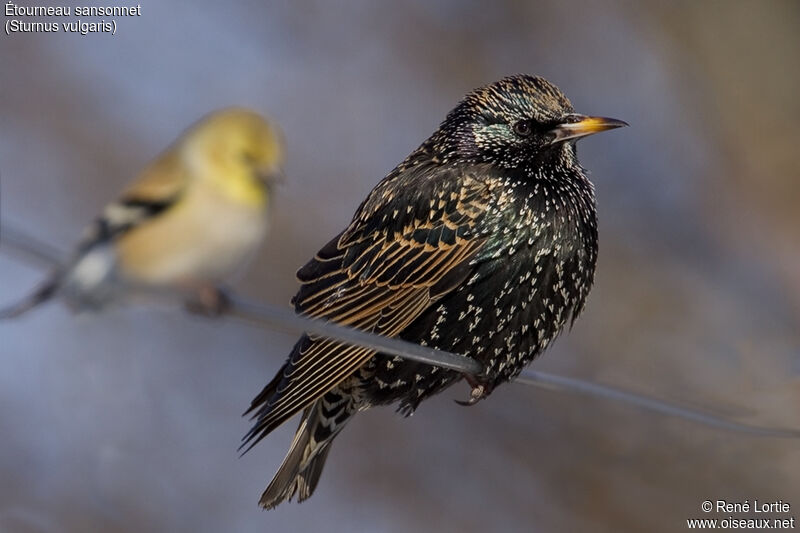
x,y
482,242
190,219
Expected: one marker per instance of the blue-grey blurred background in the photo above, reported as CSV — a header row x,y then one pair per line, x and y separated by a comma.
x,y
129,421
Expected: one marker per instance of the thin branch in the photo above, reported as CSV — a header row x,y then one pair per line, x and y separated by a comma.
x,y
21,244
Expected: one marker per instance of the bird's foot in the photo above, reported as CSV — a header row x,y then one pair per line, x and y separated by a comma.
x,y
480,390
210,301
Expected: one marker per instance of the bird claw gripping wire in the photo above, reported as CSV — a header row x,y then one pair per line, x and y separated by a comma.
x,y
480,390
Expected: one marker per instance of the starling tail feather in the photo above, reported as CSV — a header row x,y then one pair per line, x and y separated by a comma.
x,y
301,469
482,242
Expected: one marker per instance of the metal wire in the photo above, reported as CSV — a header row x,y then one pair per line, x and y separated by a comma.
x,y
262,314
573,385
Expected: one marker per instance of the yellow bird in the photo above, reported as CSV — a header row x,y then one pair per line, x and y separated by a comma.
x,y
192,218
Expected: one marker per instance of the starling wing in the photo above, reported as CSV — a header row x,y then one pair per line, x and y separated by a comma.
x,y
410,243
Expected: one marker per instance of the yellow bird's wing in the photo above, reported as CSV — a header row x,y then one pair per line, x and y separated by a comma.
x,y
155,190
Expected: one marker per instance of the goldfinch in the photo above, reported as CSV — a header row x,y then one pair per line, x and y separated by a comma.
x,y
192,218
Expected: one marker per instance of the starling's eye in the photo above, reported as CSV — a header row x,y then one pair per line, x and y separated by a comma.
x,y
522,128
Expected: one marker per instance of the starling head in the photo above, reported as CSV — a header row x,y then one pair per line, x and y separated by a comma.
x,y
516,123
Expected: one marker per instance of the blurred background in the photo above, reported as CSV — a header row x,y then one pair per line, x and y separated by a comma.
x,y
129,421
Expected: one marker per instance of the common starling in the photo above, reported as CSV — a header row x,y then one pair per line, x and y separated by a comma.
x,y
482,242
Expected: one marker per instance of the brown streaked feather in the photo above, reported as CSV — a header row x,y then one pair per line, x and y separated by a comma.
x,y
265,394
299,393
379,280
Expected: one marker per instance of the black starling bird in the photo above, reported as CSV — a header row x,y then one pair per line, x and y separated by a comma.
x,y
482,242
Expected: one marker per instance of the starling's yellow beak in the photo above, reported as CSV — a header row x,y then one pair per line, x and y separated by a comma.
x,y
577,126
